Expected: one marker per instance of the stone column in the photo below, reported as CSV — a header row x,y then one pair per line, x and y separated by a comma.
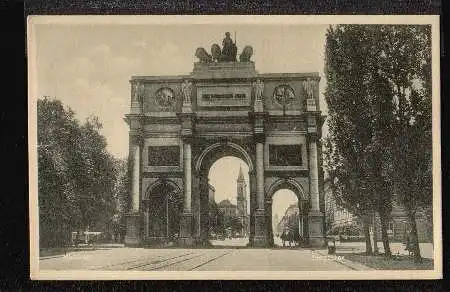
x,y
146,221
268,211
135,178
252,177
315,222
261,228
313,176
133,236
260,175
204,208
187,160
303,224
186,218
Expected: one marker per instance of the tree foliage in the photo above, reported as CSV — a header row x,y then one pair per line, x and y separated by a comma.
x,y
379,99
76,175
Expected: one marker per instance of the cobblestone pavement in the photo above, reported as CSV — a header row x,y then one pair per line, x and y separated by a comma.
x,y
216,259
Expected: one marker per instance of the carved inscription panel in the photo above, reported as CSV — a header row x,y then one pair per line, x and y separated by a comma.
x,y
211,96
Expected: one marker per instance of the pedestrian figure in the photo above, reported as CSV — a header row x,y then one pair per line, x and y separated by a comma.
x,y
408,242
283,237
296,238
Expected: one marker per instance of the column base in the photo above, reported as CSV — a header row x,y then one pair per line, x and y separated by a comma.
x,y
315,228
260,237
186,238
133,235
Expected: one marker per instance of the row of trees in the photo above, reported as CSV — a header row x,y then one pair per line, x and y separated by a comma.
x,y
379,120
80,185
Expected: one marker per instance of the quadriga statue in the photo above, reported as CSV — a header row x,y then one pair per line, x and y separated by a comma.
x,y
216,52
246,54
203,55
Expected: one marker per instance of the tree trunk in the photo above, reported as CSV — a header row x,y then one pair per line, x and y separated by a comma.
x,y
375,233
414,237
384,234
77,238
366,226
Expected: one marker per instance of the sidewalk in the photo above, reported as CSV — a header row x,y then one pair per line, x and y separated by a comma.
x,y
397,248
343,261
48,253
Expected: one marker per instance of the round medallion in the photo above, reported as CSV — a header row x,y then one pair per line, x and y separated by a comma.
x,y
165,97
283,95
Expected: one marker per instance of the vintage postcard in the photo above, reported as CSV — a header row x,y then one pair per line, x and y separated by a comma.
x,y
234,147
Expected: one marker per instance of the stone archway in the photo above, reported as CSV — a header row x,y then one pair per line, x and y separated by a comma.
x,y
303,207
179,125
203,163
163,205
210,153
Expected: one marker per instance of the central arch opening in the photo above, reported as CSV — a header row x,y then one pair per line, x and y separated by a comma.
x,y
229,202
285,219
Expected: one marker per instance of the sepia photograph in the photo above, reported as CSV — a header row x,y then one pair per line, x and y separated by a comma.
x,y
234,147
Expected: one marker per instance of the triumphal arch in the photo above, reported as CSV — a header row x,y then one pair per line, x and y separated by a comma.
x,y
180,125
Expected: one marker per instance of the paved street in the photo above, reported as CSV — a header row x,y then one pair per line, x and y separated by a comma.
x,y
227,255
217,259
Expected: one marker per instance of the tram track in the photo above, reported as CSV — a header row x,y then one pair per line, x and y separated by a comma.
x,y
144,261
209,261
186,263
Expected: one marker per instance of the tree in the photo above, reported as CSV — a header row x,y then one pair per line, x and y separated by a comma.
x,y
348,159
95,175
379,96
121,188
405,65
76,174
215,218
56,127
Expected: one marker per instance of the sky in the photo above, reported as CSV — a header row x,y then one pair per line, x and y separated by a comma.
x,y
88,67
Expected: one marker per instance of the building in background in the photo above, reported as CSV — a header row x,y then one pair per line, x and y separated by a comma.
x,y
290,220
339,220
241,200
275,223
227,209
211,194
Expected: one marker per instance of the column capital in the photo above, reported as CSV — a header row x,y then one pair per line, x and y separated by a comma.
x,y
312,136
136,137
258,115
187,139
186,115
187,123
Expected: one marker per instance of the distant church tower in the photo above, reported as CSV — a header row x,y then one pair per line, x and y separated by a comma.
x,y
242,202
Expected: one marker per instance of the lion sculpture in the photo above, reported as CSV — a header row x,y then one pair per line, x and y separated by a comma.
x,y
246,54
203,55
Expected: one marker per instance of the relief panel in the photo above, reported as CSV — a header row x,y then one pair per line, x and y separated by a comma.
x,y
285,153
162,97
162,155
